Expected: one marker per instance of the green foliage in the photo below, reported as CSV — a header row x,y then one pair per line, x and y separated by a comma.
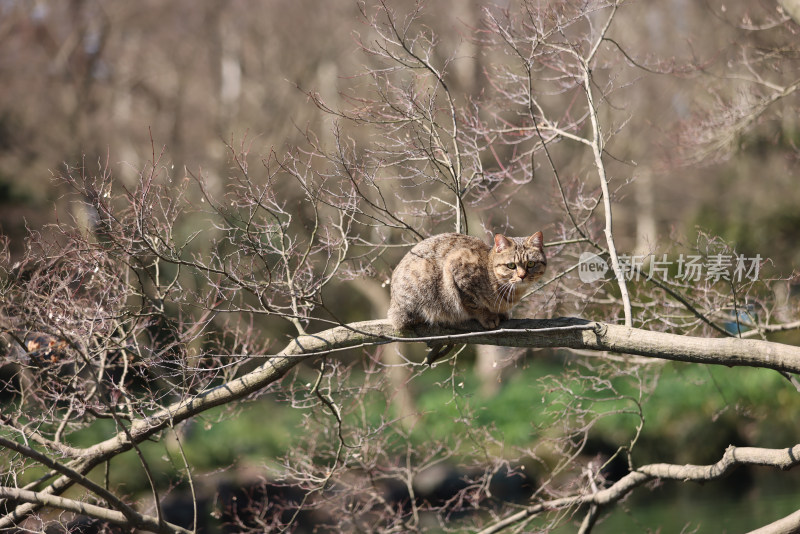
x,y
262,429
220,439
686,399
450,403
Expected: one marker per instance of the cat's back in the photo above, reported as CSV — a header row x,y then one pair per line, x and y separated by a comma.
x,y
439,246
421,291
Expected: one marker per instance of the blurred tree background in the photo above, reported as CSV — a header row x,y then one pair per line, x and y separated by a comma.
x,y
704,147
91,83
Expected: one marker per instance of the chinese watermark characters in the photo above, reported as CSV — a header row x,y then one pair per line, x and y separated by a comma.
x,y
686,267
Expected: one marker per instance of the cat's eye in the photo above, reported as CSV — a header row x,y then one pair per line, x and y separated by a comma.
x,y
531,263
511,265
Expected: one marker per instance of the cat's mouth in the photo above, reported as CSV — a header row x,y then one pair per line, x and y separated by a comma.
x,y
527,280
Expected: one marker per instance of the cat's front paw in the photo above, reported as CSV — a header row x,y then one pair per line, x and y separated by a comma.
x,y
489,321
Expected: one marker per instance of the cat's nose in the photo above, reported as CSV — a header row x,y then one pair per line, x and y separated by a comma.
x,y
522,274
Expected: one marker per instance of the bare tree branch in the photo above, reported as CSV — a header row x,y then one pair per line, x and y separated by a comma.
x,y
155,298
734,457
140,521
565,332
786,525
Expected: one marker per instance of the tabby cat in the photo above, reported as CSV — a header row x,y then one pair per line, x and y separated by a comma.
x,y
450,278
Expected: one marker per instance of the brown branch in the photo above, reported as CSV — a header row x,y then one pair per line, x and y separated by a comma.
x,y
786,525
142,522
571,333
532,333
734,456
767,328
77,477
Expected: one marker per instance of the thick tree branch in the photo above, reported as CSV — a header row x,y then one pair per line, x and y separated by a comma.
x,y
532,333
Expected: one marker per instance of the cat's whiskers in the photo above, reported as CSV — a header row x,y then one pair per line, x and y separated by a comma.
x,y
498,296
499,293
504,291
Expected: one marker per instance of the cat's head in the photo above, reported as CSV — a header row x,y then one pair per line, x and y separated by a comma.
x,y
518,259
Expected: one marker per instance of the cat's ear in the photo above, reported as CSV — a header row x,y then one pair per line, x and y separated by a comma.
x,y
535,241
501,242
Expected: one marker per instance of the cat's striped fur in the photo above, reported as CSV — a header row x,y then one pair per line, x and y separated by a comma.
x,y
448,279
